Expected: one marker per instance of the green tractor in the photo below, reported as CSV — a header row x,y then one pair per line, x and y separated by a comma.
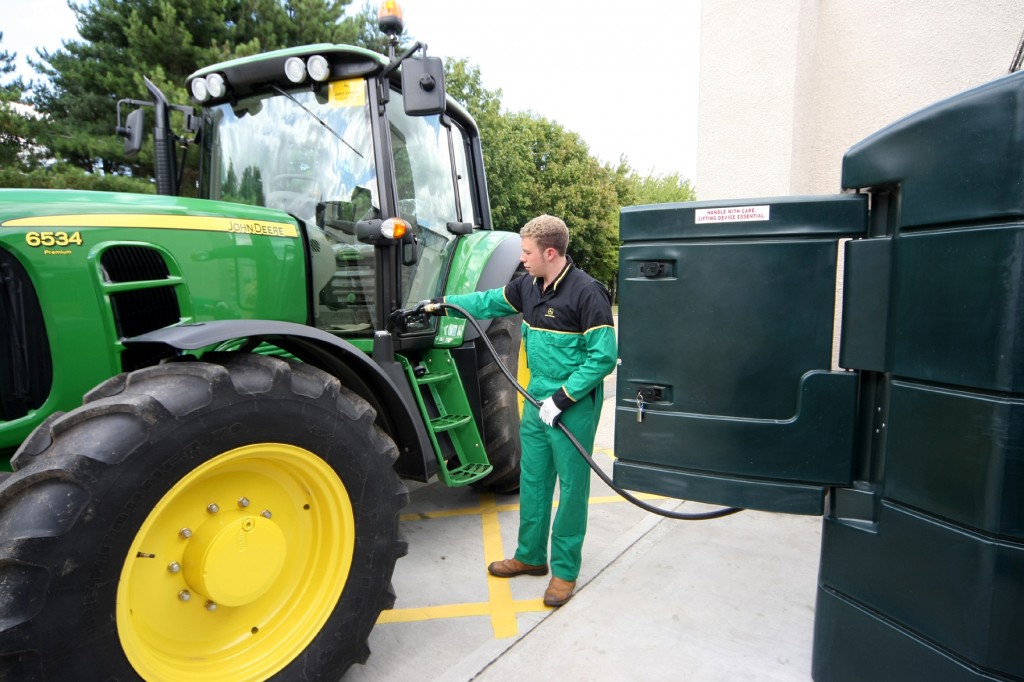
x,y
207,405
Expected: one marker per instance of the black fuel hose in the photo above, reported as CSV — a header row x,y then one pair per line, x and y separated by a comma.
x,y
714,514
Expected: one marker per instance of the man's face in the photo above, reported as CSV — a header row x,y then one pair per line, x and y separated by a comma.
x,y
537,261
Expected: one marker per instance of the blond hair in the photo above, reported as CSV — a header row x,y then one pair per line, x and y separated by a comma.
x,y
548,232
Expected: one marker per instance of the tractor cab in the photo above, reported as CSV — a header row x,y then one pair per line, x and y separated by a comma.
x,y
382,175
382,170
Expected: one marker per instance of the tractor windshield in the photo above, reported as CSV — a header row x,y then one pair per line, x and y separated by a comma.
x,y
312,154
291,151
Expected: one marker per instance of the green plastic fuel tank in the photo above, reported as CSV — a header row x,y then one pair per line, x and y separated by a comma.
x,y
858,356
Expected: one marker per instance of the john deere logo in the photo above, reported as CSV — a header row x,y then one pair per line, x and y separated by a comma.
x,y
550,312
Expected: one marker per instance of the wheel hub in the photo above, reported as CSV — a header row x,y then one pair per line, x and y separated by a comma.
x,y
234,558
237,567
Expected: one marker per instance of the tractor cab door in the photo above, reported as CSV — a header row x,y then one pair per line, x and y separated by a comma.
x,y
728,387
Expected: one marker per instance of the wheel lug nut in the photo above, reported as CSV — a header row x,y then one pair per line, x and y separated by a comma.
x,y
173,567
212,508
184,595
210,606
185,533
266,514
243,502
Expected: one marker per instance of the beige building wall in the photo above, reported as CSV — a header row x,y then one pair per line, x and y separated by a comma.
x,y
787,86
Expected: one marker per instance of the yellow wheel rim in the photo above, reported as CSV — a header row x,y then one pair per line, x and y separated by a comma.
x,y
237,568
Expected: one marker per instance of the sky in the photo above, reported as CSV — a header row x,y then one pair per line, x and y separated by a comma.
x,y
621,74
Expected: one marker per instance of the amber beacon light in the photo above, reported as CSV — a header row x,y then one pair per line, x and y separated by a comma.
x,y
389,17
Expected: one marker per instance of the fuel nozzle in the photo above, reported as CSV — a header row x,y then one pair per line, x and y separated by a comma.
x,y
411,319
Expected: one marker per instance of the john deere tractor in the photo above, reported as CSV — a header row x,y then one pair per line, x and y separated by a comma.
x,y
207,404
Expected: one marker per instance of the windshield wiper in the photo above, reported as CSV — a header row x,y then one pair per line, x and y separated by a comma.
x,y
318,120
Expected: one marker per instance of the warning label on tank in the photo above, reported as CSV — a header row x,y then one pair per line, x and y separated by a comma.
x,y
731,214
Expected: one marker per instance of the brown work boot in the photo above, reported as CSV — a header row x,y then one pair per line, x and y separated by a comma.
x,y
559,591
510,568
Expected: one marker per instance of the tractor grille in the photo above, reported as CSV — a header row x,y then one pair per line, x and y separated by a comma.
x,y
26,370
142,310
133,264
137,311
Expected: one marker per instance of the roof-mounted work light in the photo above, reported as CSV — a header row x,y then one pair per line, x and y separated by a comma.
x,y
210,87
216,85
199,90
295,69
318,68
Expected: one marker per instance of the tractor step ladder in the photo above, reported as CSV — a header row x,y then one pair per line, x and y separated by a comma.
x,y
461,458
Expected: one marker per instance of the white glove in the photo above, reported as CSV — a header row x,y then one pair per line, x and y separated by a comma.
x,y
549,412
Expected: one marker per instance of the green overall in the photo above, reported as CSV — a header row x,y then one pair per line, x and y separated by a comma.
x,y
570,347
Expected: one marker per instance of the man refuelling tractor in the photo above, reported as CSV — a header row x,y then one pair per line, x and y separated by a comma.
x,y
208,403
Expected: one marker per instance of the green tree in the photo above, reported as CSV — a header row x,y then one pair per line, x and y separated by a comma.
x,y
165,40
661,189
463,82
536,166
229,187
14,124
368,33
251,187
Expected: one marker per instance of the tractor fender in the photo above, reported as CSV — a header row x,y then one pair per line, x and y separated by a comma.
x,y
502,263
495,256
386,391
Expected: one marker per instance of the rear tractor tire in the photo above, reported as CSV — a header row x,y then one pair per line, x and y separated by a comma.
x,y
500,405
230,519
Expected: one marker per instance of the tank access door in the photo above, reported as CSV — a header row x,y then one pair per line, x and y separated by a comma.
x,y
728,389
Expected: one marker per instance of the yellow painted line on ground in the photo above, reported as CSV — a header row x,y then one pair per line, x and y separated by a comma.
x,y
608,452
473,511
500,606
450,513
480,608
499,591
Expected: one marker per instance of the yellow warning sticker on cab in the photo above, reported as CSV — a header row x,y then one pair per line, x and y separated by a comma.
x,y
347,93
161,222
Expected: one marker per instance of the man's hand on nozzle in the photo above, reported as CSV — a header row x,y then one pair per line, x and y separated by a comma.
x,y
549,412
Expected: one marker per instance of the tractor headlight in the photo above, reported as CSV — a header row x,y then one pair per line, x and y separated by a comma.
x,y
199,90
216,85
295,69
318,68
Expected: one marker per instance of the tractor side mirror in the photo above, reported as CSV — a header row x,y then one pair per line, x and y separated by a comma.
x,y
423,86
133,131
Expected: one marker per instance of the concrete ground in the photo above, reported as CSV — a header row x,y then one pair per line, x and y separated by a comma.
x,y
658,599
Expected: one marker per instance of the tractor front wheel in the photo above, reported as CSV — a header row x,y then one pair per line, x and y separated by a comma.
x,y
230,519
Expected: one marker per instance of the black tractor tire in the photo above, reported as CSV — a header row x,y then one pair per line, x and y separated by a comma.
x,y
500,405
129,518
